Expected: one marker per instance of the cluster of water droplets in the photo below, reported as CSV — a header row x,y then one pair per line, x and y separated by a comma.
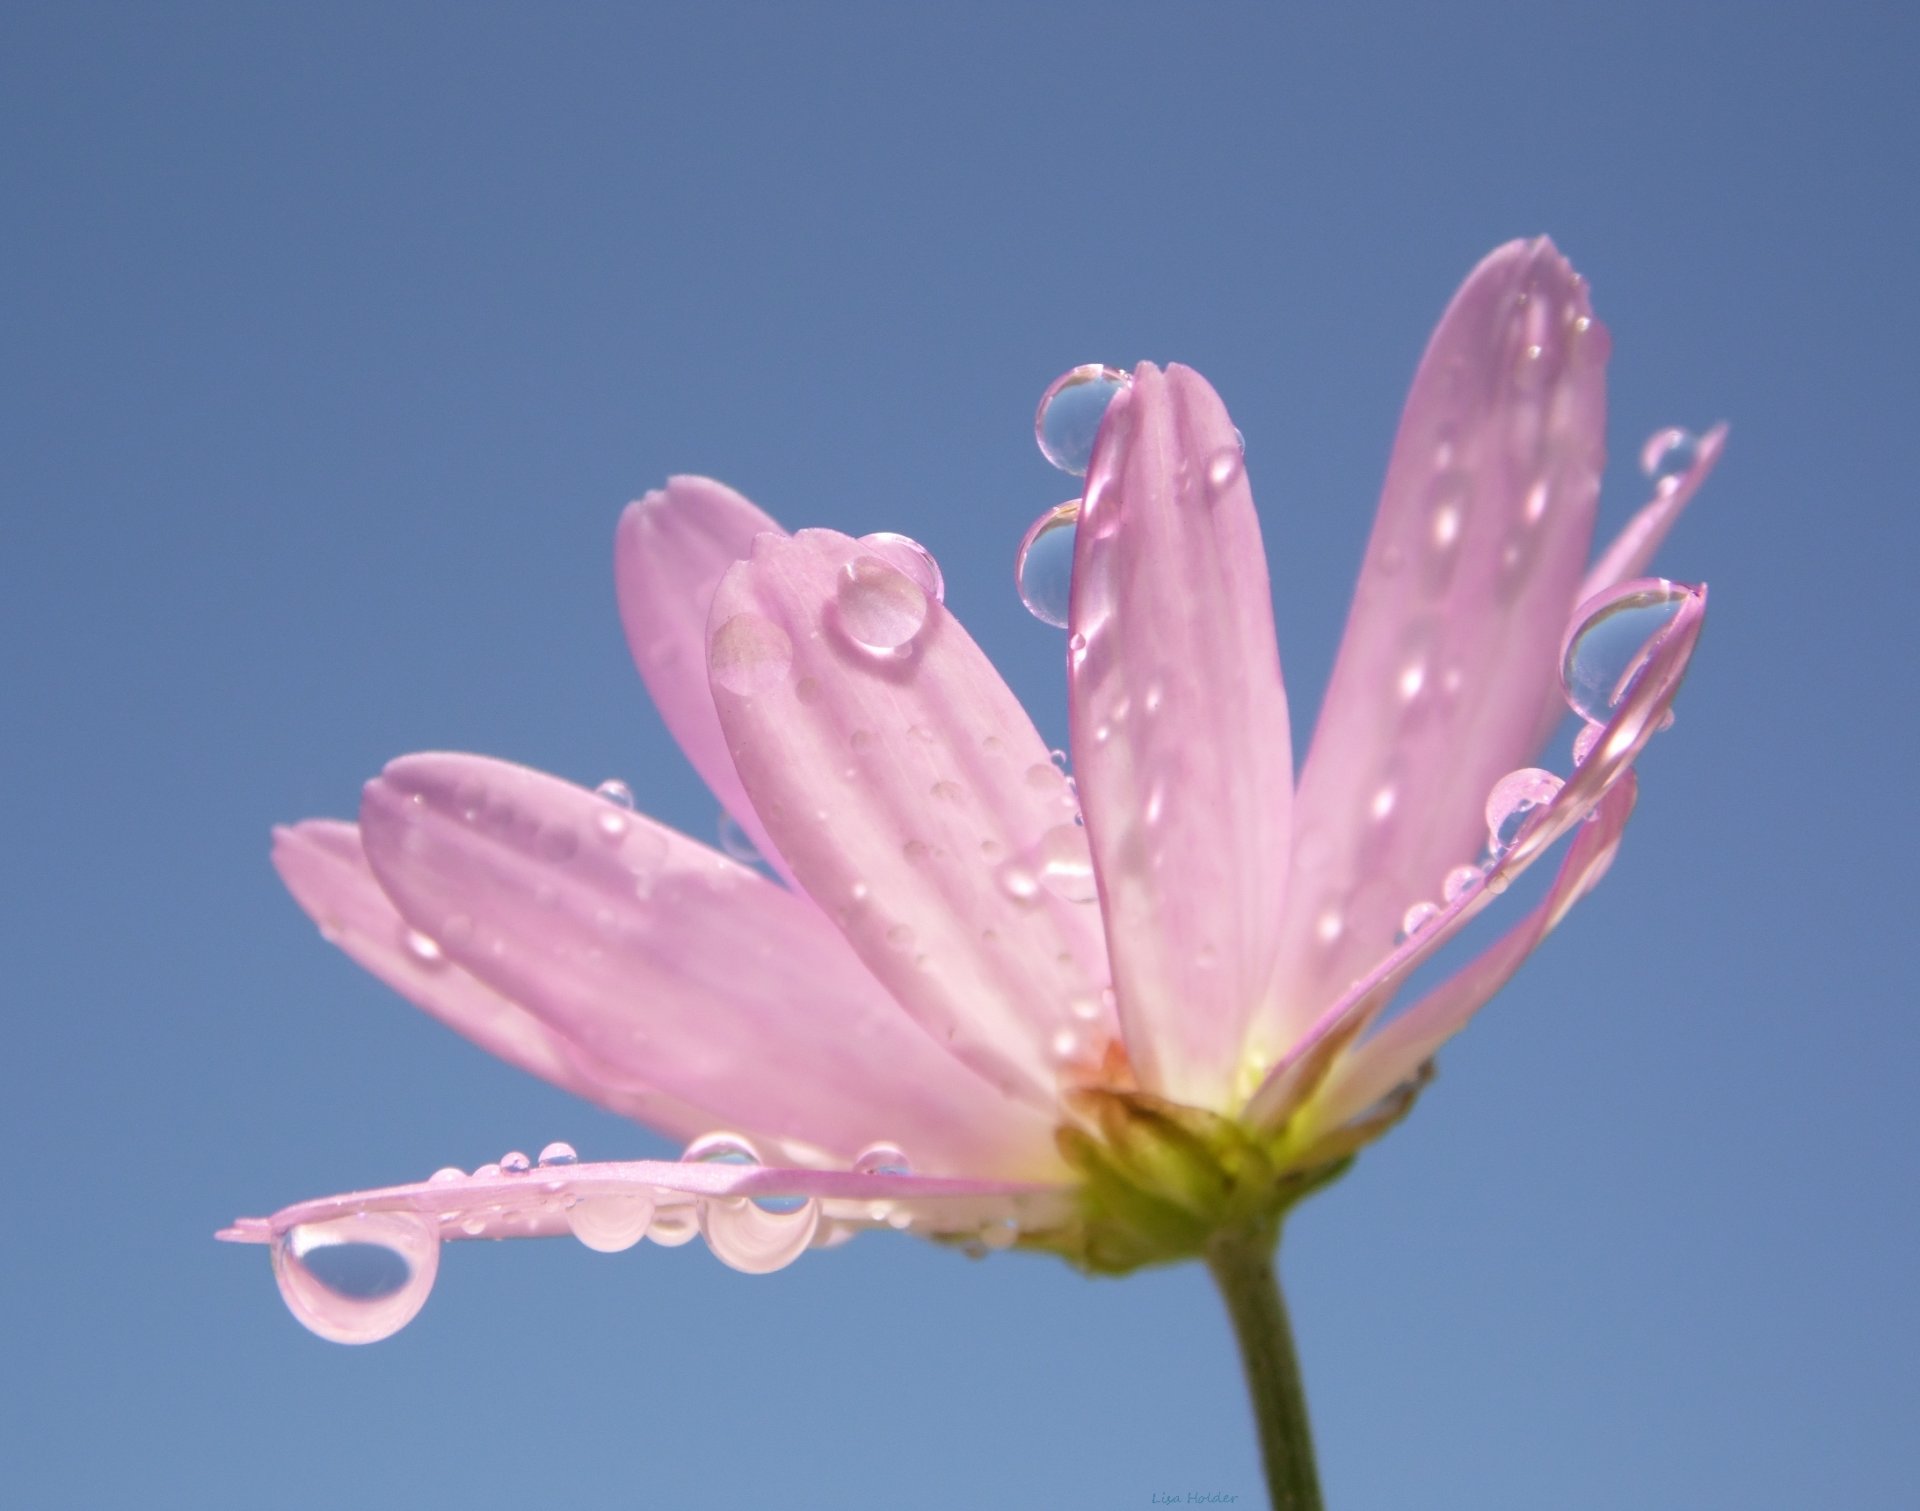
x,y
1065,425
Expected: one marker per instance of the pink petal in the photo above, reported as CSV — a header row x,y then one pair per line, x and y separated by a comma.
x,y
1633,549
665,960
324,867
1634,723
917,805
669,554
1395,1054
1180,740
1451,645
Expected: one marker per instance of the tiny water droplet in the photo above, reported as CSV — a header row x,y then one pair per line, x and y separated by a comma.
x,y
558,1153
881,1159
445,1174
423,949
359,1278
1458,880
1514,800
1043,568
1417,918
1225,466
881,608
515,1163
1611,642
1068,420
907,555
616,792
1668,456
735,842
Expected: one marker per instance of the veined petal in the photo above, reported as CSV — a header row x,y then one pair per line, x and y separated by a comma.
x,y
1180,740
1450,647
1376,1067
664,959
1634,723
324,867
669,553
917,805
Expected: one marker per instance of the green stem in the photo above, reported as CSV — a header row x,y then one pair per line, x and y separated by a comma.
x,y
1242,1262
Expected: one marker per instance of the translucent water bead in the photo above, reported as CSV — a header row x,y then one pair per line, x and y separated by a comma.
x,y
758,1234
1668,456
360,1278
1514,799
1068,419
1612,638
1043,571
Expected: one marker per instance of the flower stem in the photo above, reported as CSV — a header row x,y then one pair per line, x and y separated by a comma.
x,y
1242,1262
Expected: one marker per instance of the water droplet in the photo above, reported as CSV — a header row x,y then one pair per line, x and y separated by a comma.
x,y
1225,466
423,949
881,608
1458,880
616,792
1611,642
359,1278
881,1159
446,1173
1065,864
1514,800
1043,569
673,1226
731,1149
749,654
1068,419
557,1153
735,842
1417,918
1668,456
515,1163
1584,742
1018,882
905,554
610,1224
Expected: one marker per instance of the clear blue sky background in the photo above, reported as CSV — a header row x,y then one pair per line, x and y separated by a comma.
x,y
335,337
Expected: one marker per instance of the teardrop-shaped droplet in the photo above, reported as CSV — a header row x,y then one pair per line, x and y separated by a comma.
x,y
610,1224
880,607
735,842
359,1278
905,554
1514,799
881,1159
558,1152
1458,880
1417,918
1612,639
1043,570
1669,455
616,792
1068,419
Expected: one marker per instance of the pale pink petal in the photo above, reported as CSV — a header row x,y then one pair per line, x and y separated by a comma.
x,y
664,959
1634,723
1481,538
1394,1055
324,867
1633,549
917,805
1180,741
669,553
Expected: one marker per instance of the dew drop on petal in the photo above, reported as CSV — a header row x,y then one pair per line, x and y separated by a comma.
x,y
755,1238
515,1163
610,1224
1668,456
424,950
445,1174
616,792
749,654
1584,742
359,1278
1068,420
881,608
731,1149
1417,918
557,1153
907,555
735,842
1514,800
1458,880
1043,569
1065,864
1612,640
881,1159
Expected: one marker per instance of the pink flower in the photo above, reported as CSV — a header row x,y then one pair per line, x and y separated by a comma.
x,y
986,1006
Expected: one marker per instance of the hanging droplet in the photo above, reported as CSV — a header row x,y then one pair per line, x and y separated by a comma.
x,y
616,792
758,1234
515,1163
735,842
1612,640
881,608
1043,570
610,1224
1417,918
1668,456
557,1153
881,1159
359,1278
1068,419
731,1149
905,554
1514,800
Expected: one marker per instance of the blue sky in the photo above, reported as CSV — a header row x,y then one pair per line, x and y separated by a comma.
x,y
335,339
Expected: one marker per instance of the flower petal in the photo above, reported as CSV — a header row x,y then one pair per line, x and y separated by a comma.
x,y
1450,647
324,867
669,553
1377,1066
1634,723
1180,739
917,805
1633,548
664,959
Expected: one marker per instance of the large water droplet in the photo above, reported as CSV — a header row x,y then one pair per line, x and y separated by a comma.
x,y
515,1163
1068,419
1458,880
905,554
1612,640
1065,864
731,1149
749,654
610,1224
1043,570
1668,456
557,1153
1514,799
881,608
753,1235
359,1278
881,1159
